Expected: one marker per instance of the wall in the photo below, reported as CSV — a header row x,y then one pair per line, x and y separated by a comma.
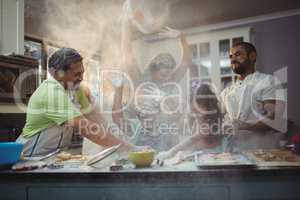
x,y
12,26
278,45
11,36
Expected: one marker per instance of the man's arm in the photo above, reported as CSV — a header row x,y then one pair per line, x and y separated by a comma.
x,y
97,132
93,126
272,118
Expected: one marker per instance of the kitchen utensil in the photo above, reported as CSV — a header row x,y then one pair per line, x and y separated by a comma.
x,y
103,154
116,167
55,166
40,158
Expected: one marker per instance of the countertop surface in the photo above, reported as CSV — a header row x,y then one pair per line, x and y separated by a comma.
x,y
186,170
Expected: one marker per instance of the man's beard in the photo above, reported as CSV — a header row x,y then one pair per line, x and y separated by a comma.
x,y
75,85
242,68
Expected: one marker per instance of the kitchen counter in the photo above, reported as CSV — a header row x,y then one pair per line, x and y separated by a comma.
x,y
170,181
183,181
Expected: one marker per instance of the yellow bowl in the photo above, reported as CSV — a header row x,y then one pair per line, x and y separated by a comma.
x,y
141,158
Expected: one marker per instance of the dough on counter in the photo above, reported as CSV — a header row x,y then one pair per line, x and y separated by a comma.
x,y
64,156
79,157
28,165
76,157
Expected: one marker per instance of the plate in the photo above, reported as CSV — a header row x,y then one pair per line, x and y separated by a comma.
x,y
103,154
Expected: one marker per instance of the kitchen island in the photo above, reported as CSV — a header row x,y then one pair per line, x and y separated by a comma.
x,y
183,181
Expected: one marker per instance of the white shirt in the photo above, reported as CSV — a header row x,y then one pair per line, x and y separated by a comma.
x,y
243,101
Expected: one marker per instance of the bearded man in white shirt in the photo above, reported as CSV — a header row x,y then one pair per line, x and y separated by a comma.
x,y
255,104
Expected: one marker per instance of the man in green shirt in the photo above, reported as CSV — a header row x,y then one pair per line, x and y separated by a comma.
x,y
60,106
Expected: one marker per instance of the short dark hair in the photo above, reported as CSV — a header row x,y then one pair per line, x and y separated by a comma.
x,y
63,58
204,96
162,60
247,46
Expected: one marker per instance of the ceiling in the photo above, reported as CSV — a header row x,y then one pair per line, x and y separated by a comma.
x,y
189,13
184,13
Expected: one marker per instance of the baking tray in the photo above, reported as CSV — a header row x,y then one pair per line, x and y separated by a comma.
x,y
284,158
236,161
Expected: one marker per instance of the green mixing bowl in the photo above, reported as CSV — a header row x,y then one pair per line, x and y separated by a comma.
x,y
142,158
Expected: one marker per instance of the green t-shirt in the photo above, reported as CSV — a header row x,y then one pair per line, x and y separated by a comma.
x,y
51,105
83,101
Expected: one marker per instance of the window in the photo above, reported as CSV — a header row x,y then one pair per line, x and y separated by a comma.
x,y
210,52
